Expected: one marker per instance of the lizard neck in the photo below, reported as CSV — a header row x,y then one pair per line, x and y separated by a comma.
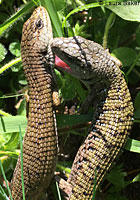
x,y
111,125
114,104
112,120
40,142
39,74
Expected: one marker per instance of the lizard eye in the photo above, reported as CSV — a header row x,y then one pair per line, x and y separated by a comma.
x,y
39,24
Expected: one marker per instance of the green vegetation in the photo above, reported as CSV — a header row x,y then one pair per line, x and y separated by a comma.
x,y
115,27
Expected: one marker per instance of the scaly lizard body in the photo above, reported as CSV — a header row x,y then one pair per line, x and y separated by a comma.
x,y
40,141
113,116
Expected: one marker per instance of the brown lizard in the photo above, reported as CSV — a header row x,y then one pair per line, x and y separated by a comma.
x,y
113,116
40,146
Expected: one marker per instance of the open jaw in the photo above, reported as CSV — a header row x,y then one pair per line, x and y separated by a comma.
x,y
61,64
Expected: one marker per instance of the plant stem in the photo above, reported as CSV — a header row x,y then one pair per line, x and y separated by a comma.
x,y
4,113
107,27
10,64
58,191
21,157
133,65
3,173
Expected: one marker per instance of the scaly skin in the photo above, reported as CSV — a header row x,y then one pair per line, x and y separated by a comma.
x,y
40,141
113,116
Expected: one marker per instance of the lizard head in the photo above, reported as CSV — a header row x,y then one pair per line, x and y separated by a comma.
x,y
75,52
37,31
87,60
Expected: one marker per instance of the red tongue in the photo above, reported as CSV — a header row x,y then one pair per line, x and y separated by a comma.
x,y
60,63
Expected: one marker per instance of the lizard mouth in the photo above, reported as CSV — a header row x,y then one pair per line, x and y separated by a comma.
x,y
61,64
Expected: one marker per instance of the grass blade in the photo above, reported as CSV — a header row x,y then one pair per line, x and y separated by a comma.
x,y
10,64
15,17
21,157
49,5
3,173
3,194
80,8
58,191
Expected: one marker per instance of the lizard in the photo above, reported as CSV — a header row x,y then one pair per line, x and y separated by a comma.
x,y
113,118
40,145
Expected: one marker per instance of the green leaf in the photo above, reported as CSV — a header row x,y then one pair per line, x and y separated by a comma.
x,y
22,108
16,68
67,90
116,177
77,85
59,4
63,166
12,123
71,120
23,82
69,86
14,48
12,143
136,179
137,101
126,10
3,52
125,55
5,155
137,114
138,35
80,30
115,196
1,1
7,164
133,145
21,78
1,100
